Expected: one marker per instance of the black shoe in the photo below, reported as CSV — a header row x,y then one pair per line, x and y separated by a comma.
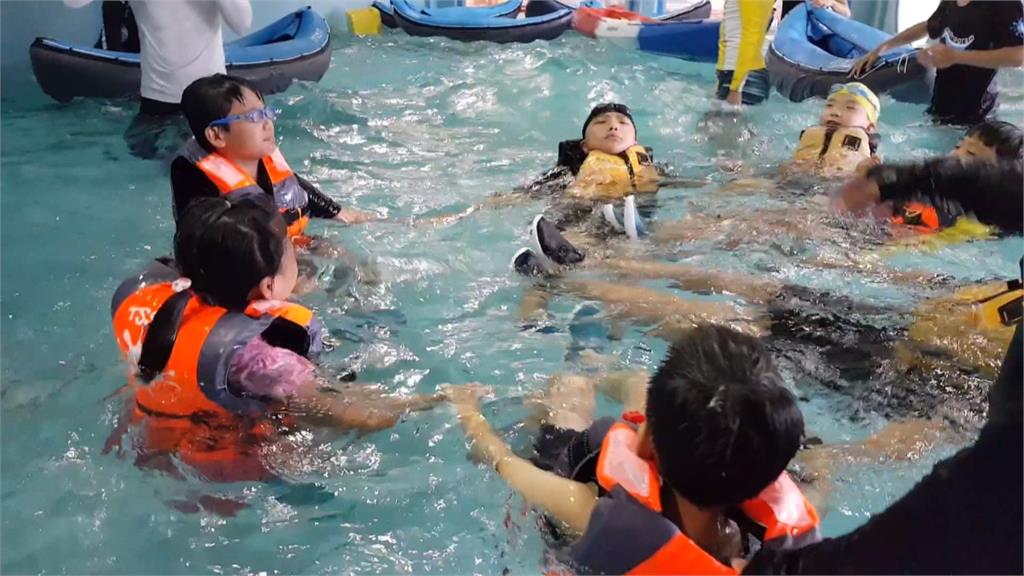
x,y
548,241
528,263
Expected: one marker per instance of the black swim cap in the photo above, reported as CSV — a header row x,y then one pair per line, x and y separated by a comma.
x,y
605,108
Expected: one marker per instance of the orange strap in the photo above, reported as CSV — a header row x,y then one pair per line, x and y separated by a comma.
x,y
922,217
619,465
782,509
298,314
681,556
296,228
277,167
227,176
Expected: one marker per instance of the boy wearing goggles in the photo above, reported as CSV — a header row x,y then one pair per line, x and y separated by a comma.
x,y
234,153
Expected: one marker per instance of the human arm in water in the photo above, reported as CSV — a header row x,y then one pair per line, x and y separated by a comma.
x,y
993,193
323,206
978,487
355,407
267,371
568,501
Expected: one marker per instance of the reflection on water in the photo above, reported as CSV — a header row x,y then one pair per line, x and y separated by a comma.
x,y
407,127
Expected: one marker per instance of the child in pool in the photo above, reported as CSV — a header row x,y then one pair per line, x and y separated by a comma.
x,y
692,467
673,484
925,197
845,137
226,361
607,162
234,153
960,332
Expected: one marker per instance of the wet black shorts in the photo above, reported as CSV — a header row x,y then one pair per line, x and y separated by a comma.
x,y
566,452
756,87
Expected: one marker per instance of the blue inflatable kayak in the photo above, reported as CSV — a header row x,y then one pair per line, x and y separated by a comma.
x,y
695,40
545,20
387,13
683,34
296,47
815,48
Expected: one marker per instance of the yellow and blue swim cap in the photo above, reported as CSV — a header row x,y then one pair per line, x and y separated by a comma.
x,y
862,94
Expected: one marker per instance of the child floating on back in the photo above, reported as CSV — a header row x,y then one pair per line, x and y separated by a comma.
x,y
606,165
846,134
608,162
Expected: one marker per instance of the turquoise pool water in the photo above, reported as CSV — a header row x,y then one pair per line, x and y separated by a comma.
x,y
408,127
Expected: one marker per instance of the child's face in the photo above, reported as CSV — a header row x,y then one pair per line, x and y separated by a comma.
x,y
970,148
611,133
244,140
845,110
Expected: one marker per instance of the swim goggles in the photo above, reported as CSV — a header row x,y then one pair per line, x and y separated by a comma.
x,y
254,116
862,94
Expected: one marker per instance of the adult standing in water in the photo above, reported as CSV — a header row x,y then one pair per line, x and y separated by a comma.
x,y
976,39
742,76
181,40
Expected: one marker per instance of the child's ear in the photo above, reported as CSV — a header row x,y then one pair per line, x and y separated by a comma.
x,y
215,136
264,290
872,128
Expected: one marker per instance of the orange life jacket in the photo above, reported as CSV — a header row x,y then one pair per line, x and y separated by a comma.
x,y
189,411
659,547
289,196
921,217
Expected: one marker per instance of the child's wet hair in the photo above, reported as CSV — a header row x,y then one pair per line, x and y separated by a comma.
x,y
225,248
1005,137
210,98
724,426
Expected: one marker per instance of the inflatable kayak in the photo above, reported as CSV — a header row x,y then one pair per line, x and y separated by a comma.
x,y
616,23
544,20
296,47
387,13
686,34
816,48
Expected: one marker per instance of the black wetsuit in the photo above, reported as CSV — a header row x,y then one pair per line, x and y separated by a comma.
x,y
846,345
854,339
188,183
965,517
992,194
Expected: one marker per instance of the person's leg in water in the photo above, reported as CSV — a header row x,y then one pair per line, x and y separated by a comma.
x,y
904,440
157,131
564,412
668,312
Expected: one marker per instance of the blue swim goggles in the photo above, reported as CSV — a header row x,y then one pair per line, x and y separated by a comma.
x,y
254,116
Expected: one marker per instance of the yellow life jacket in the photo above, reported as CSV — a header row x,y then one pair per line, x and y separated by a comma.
x,y
995,306
972,327
618,174
835,151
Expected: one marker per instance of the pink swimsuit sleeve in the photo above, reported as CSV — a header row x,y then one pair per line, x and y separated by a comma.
x,y
264,370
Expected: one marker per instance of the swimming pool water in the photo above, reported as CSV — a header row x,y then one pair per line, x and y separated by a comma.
x,y
406,126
